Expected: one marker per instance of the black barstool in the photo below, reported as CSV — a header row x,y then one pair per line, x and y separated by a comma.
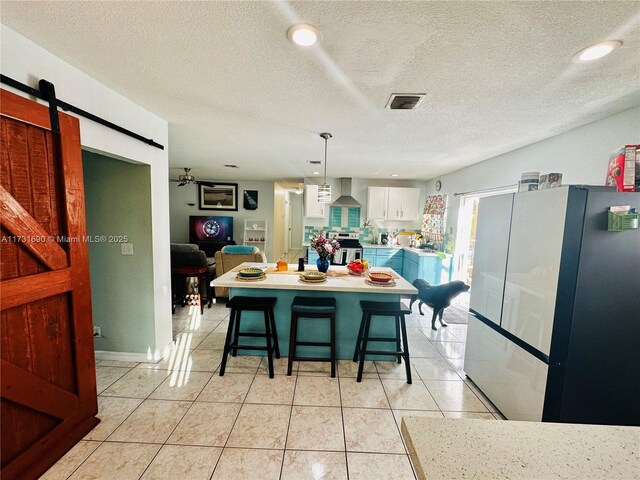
x,y
312,307
254,304
382,309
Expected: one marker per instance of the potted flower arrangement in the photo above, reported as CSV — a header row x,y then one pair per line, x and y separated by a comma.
x,y
325,248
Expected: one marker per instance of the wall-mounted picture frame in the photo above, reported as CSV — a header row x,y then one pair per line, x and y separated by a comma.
x,y
218,196
250,199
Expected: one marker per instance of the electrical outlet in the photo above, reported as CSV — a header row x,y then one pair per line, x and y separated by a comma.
x,y
97,331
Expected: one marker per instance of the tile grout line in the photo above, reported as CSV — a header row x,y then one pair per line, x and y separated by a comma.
x,y
232,427
173,430
286,437
344,428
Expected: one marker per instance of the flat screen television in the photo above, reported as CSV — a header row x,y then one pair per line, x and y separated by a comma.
x,y
210,229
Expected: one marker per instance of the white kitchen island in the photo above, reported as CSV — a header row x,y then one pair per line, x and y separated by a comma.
x,y
348,291
496,450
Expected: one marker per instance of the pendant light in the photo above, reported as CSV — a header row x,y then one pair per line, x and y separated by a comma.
x,y
324,190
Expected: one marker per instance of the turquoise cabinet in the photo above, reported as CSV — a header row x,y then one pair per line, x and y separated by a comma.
x,y
369,253
410,267
409,264
384,257
431,268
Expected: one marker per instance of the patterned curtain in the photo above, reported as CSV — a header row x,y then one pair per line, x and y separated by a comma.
x,y
433,224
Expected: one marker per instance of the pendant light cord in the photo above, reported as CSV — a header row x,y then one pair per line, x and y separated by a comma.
x,y
325,160
326,137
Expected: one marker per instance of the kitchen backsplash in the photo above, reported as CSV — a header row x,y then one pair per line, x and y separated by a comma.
x,y
366,234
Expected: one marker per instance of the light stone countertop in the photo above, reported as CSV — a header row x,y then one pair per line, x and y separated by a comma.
x,y
347,283
484,449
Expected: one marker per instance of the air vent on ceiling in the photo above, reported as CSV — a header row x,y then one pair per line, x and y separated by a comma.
x,y
314,162
404,101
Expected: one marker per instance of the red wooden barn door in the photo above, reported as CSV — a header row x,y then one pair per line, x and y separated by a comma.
x,y
48,394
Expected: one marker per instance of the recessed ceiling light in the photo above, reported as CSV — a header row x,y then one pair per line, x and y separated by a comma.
x,y
596,51
303,34
231,166
316,173
394,174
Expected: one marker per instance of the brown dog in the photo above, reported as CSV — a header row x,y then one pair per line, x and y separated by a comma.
x,y
438,297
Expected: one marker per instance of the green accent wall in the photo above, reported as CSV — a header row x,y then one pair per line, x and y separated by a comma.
x,y
118,202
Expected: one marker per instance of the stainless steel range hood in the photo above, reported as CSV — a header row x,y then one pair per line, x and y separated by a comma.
x,y
345,199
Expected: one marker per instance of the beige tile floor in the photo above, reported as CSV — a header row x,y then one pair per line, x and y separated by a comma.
x,y
178,419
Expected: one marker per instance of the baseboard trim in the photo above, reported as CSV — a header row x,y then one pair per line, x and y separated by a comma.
x,y
133,356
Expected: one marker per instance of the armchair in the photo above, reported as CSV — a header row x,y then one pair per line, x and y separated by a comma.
x,y
232,256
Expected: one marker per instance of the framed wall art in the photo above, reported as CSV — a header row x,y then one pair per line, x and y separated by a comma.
x,y
250,199
218,196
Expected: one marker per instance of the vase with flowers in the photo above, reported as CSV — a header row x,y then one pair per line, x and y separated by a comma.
x,y
325,248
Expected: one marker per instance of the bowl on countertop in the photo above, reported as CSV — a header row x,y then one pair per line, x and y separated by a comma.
x,y
250,272
313,275
380,277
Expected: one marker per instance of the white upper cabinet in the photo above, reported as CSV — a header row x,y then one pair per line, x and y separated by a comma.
x,y
377,202
393,203
312,208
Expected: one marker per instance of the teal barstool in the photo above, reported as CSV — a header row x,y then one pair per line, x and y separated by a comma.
x,y
239,304
382,309
313,308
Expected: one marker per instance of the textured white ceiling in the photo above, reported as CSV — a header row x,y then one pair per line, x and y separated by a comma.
x,y
498,76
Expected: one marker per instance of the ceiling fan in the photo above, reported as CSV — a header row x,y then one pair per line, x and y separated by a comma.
x,y
185,179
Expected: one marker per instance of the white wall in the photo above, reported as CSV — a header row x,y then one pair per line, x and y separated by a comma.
x,y
180,197
359,191
581,155
297,214
279,197
27,62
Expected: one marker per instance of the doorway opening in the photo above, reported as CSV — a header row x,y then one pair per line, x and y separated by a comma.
x,y
466,236
118,209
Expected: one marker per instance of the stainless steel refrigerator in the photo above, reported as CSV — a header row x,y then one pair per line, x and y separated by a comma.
x,y
554,322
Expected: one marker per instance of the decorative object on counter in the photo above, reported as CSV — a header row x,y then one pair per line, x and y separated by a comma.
x,y
366,223
529,181
250,275
301,264
250,199
313,277
435,208
380,277
357,267
325,248
251,272
282,266
322,264
324,190
550,180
